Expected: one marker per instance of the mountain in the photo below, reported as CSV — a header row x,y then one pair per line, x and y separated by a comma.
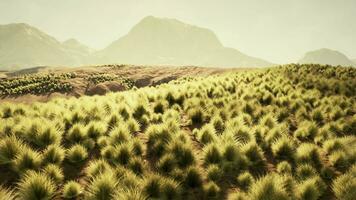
x,y
162,41
24,46
326,56
354,60
153,41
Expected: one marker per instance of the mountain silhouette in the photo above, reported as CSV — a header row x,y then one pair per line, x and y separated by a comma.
x,y
326,56
163,41
153,41
23,46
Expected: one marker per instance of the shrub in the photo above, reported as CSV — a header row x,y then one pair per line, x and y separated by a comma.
x,y
212,154
54,172
137,147
193,179
283,149
132,125
7,194
196,116
310,189
53,154
123,155
269,187
76,134
182,153
170,189
97,167
339,160
34,186
102,187
166,164
211,190
95,129
284,168
10,147
214,173
344,186
152,186
305,171
137,166
206,134
119,135
131,194
72,190
77,153
309,153
109,153
244,180
306,131
27,160
255,157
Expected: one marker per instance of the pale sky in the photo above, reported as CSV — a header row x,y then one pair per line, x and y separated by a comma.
x,y
279,31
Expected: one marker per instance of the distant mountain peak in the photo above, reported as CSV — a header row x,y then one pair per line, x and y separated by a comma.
x,y
326,56
162,41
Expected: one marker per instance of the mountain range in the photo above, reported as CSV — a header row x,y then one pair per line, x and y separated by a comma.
x,y
153,41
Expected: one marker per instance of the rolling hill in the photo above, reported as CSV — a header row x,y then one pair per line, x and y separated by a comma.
x,y
326,56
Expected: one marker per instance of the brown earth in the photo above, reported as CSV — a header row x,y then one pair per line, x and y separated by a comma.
x,y
142,76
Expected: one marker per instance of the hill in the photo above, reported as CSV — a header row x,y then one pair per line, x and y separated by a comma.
x,y
326,56
171,42
24,46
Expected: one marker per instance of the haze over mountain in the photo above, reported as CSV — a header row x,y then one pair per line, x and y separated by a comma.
x,y
354,60
326,56
23,46
169,41
153,41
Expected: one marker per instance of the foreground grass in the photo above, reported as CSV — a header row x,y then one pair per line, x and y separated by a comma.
x,y
281,133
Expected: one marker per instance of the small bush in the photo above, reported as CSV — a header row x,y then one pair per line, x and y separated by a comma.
x,y
10,147
137,166
76,134
193,179
77,153
196,116
166,164
27,160
206,134
123,154
344,186
245,180
309,189
211,190
214,173
102,187
53,154
72,190
34,186
305,171
54,172
283,149
152,186
269,187
97,167
309,154
212,154
183,154
284,168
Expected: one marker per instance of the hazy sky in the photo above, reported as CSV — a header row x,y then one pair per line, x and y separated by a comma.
x,y
276,30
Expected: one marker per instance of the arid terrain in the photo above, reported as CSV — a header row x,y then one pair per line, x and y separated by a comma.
x,y
139,76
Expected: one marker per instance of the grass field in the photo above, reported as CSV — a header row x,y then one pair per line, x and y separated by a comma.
x,y
287,132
